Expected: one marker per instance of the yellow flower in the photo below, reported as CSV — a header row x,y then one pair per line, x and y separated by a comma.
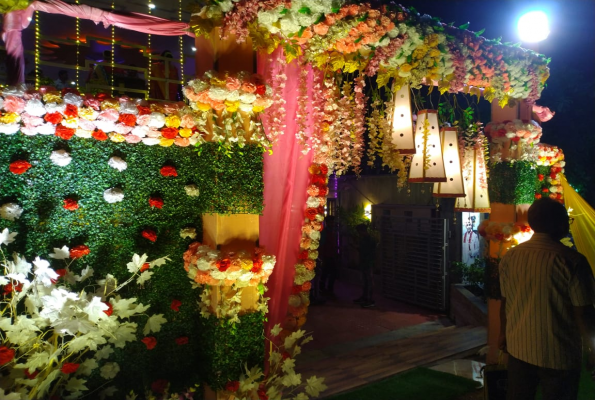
x,y
203,107
217,82
258,109
185,132
172,121
166,142
434,53
86,113
110,103
70,122
52,97
325,126
405,68
10,118
116,137
232,106
246,264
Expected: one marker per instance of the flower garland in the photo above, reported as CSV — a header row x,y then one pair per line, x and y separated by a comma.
x,y
551,162
386,40
208,268
301,133
359,110
311,229
516,137
275,116
7,6
505,232
473,143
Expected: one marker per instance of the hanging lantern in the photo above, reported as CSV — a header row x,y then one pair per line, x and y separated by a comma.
x,y
402,124
475,181
427,164
453,187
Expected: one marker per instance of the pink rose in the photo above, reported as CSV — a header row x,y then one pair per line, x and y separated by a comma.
x,y
110,114
143,120
31,120
187,121
14,104
321,29
203,97
132,139
153,133
32,94
248,87
86,124
92,102
171,108
182,142
190,94
232,83
123,129
330,19
217,105
29,130
124,99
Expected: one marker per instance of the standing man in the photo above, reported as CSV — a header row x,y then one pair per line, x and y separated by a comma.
x,y
547,314
366,247
470,242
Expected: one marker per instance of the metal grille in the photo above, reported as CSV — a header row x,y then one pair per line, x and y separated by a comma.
x,y
413,260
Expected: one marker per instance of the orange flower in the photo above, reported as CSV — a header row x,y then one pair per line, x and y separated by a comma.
x,y
99,135
70,204
169,133
127,119
53,118
64,132
79,251
19,167
110,309
311,213
150,342
71,111
223,265
156,202
145,267
149,234
168,171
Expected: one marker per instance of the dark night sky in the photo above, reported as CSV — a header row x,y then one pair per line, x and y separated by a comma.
x,y
570,89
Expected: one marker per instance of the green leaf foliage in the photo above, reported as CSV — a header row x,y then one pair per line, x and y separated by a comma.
x,y
113,232
512,183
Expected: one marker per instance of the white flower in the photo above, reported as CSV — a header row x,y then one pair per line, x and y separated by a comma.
x,y
110,370
192,190
106,126
188,233
10,211
46,129
43,271
35,107
74,99
60,158
9,129
113,195
60,254
128,108
151,141
248,98
156,120
218,93
117,163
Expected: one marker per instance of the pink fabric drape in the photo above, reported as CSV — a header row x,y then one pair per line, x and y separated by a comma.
x,y
286,179
16,21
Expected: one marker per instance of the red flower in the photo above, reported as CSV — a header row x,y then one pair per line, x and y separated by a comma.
x,y
64,132
296,289
175,305
262,394
256,265
101,96
142,110
99,135
515,139
285,355
319,180
537,196
311,213
232,386
553,175
127,119
320,210
322,192
545,190
149,234
69,368
540,177
6,355
169,133
71,111
323,169
61,272
303,255
169,171
110,309
222,265
70,90
145,267
70,204
182,340
31,376
19,167
260,89
53,118
150,342
159,386
156,202
79,251
9,288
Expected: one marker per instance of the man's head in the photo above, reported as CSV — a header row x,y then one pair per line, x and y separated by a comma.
x,y
550,217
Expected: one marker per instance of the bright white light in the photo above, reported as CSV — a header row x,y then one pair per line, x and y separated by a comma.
x,y
533,27
73,83
368,211
151,5
193,48
29,19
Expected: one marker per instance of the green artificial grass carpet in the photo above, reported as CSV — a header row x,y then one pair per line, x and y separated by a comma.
x,y
417,384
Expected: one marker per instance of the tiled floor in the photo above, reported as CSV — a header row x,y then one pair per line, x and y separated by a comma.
x,y
340,321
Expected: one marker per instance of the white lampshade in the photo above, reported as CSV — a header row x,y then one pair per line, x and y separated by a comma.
x,y
427,164
475,181
402,123
453,187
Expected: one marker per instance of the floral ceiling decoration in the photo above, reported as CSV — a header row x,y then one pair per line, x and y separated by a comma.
x,y
388,41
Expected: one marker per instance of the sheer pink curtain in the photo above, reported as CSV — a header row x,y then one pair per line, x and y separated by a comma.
x,y
286,179
16,21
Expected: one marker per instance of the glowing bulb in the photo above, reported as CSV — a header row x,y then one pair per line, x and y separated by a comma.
x,y
151,6
193,48
533,27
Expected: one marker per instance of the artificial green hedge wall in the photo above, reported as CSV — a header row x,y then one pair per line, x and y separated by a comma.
x,y
113,231
512,183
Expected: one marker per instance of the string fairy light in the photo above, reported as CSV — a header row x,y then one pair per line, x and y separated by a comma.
x,y
181,41
151,5
113,51
36,49
78,50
